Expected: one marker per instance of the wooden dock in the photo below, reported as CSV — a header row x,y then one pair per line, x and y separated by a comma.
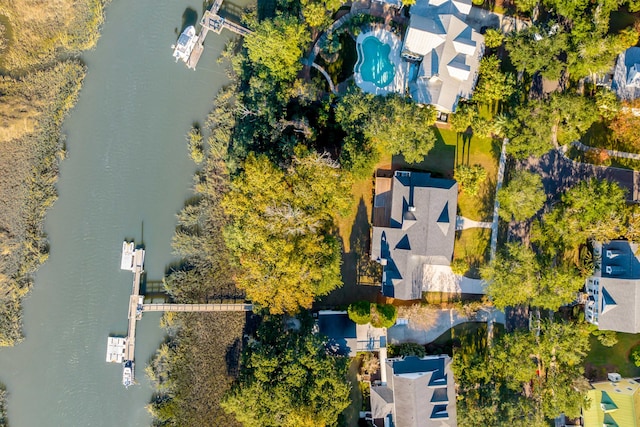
x,y
133,260
212,21
197,307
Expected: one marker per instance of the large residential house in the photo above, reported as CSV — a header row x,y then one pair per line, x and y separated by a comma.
x,y
613,291
446,52
614,403
626,75
419,392
413,229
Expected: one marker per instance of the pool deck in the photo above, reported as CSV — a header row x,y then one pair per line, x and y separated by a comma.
x,y
401,68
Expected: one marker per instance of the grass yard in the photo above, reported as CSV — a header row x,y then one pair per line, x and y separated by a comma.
x,y
452,149
472,247
471,335
602,360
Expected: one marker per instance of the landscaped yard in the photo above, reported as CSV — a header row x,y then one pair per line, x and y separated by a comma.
x,y
602,360
472,247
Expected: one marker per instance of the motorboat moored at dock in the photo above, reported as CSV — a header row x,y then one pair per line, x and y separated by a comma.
x,y
186,43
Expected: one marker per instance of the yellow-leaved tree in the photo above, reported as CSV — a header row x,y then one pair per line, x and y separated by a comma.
x,y
280,229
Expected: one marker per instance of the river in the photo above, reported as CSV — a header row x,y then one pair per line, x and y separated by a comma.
x,y
126,176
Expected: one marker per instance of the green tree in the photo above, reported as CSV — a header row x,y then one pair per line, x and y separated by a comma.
x,y
546,381
407,349
517,276
606,338
522,197
391,124
470,178
462,119
400,126
535,50
196,146
275,48
594,209
607,103
634,355
383,315
493,85
279,232
493,38
288,379
512,276
360,312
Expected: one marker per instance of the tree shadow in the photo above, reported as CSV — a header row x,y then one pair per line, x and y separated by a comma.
x,y
440,160
356,266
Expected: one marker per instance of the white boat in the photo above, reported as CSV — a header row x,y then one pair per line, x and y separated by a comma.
x,y
186,43
127,373
128,250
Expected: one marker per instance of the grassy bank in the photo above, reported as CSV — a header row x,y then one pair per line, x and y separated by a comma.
x,y
3,406
192,372
39,84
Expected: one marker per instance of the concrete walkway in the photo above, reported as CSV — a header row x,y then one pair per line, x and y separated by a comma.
x,y
496,203
613,153
446,319
326,76
463,223
440,278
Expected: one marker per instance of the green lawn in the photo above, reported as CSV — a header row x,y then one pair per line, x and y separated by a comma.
x,y
602,360
452,149
472,246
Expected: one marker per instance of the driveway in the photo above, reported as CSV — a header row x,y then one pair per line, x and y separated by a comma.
x,y
560,173
447,319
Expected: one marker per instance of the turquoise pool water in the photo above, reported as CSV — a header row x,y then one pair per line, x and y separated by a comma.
x,y
374,64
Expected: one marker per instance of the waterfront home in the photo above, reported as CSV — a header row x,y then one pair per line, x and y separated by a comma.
x,y
418,392
626,75
345,337
445,51
413,230
613,291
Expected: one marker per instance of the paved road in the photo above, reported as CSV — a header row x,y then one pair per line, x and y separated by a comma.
x,y
560,173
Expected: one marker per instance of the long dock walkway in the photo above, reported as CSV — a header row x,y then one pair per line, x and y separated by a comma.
x,y
197,307
123,350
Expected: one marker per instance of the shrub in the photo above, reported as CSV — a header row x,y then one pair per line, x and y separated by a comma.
x,y
606,338
196,146
360,312
406,349
459,267
634,356
384,315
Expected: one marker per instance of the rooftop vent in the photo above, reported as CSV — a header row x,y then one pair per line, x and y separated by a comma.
x,y
614,377
411,208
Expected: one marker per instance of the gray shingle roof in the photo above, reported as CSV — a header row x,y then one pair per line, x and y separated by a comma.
x,y
421,232
422,392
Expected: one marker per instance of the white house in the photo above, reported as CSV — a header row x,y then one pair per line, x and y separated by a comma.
x,y
446,52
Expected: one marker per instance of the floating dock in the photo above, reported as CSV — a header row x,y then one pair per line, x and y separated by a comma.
x,y
122,350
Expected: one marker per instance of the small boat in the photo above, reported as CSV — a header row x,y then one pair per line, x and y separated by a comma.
x,y
186,43
127,373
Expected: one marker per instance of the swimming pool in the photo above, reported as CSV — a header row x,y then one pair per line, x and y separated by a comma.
x,y
373,63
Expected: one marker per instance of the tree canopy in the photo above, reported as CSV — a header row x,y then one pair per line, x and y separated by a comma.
x,y
594,209
276,46
280,229
525,378
470,178
518,276
289,380
522,197
392,124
